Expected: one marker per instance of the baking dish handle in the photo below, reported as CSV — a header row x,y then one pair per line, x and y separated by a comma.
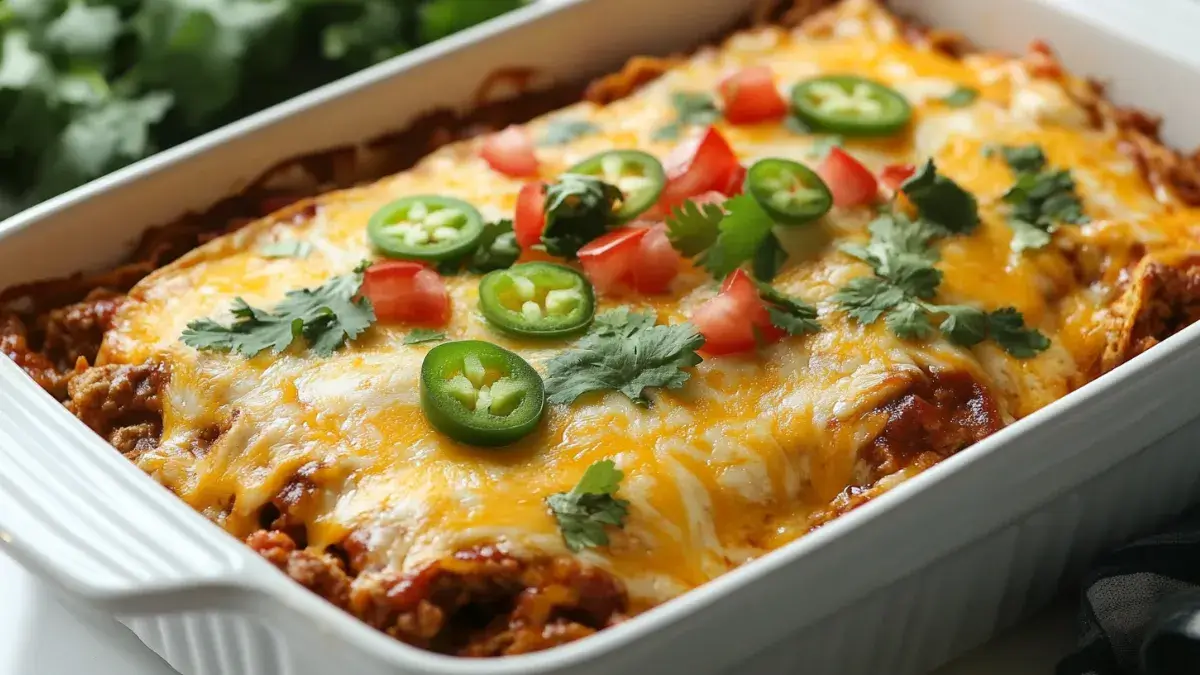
x,y
77,513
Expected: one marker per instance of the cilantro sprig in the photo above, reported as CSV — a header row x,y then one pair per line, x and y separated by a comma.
x,y
901,254
941,202
627,352
590,506
791,315
578,210
1040,200
286,248
326,317
563,131
723,238
692,108
422,335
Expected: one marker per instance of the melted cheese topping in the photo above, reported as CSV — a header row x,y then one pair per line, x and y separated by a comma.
x,y
732,465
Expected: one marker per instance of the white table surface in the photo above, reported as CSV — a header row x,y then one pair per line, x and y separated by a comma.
x,y
39,636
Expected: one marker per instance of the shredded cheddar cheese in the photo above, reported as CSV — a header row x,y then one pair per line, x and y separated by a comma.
x,y
733,465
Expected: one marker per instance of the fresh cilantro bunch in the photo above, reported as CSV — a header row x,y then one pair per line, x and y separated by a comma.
x,y
627,352
902,256
326,317
578,209
590,506
1041,198
88,86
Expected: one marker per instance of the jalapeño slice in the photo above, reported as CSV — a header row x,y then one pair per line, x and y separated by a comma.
x,y
791,193
638,175
479,393
537,299
425,227
851,106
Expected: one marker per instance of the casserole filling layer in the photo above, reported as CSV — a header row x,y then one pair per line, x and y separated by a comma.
x,y
1079,252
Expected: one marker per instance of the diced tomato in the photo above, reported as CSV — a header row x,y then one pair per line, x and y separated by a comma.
x,y
736,320
657,262
511,153
894,175
735,184
530,218
851,183
751,96
408,292
631,258
693,169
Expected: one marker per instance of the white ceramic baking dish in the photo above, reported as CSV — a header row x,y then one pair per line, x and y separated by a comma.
x,y
897,586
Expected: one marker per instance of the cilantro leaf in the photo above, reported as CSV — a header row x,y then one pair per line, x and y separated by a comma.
x,y
286,248
865,299
1024,158
691,108
789,314
1026,235
941,201
420,335
1007,328
963,325
84,30
743,229
626,352
908,320
961,97
1040,199
563,131
327,317
769,258
692,228
497,248
578,210
592,504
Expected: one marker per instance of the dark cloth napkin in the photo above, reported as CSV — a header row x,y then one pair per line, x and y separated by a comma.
x,y
1140,612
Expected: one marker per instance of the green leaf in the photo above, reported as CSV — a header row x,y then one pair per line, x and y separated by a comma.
x,y
1040,199
866,299
421,335
1024,158
908,321
103,139
84,30
741,232
286,248
440,18
1027,235
963,325
626,352
497,248
563,131
695,108
590,506
789,314
692,228
961,97
327,317
941,201
768,259
578,210
1007,328
667,132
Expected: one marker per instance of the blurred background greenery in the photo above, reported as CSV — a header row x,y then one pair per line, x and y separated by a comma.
x,y
88,86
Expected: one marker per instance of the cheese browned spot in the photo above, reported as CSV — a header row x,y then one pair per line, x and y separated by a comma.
x,y
335,454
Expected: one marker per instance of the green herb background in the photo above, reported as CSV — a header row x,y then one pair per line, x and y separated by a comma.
x,y
89,86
